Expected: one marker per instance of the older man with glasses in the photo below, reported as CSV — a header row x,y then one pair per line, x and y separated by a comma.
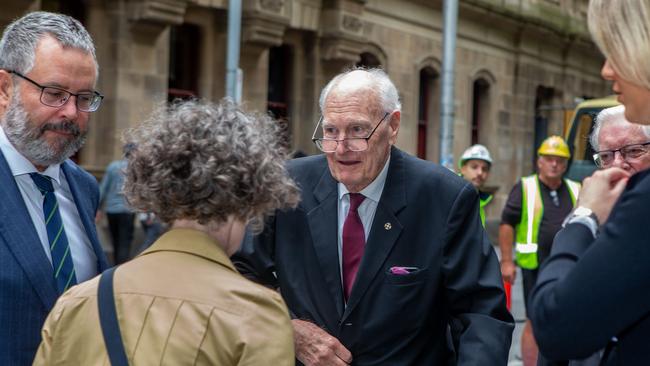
x,y
619,143
385,261
48,240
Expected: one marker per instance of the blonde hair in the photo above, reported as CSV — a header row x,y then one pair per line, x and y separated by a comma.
x,y
621,29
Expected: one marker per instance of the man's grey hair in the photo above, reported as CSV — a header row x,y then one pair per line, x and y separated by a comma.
x,y
21,37
202,161
613,116
376,82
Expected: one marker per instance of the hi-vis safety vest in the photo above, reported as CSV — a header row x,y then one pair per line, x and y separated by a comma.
x,y
482,204
532,210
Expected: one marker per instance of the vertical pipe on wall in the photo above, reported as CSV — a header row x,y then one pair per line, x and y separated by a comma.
x,y
450,10
233,73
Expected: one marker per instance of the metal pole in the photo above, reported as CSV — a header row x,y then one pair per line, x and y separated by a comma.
x,y
233,87
450,9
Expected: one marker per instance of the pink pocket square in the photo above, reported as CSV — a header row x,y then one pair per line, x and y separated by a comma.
x,y
401,270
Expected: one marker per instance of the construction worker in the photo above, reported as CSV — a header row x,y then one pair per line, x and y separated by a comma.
x,y
532,216
475,166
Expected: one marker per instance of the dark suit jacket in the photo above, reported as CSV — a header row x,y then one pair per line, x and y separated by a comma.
x,y
27,287
427,218
589,291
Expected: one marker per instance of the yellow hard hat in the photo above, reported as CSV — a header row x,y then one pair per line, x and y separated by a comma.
x,y
554,146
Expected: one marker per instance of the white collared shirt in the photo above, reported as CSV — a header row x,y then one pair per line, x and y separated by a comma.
x,y
83,255
366,210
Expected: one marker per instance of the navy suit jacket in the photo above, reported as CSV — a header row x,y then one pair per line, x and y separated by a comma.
x,y
427,218
589,291
27,287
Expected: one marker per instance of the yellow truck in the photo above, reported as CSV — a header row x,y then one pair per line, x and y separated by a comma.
x,y
576,134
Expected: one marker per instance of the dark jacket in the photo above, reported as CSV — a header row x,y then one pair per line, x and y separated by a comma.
x,y
27,287
590,290
427,218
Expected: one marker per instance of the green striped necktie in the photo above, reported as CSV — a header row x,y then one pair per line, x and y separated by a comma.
x,y
61,256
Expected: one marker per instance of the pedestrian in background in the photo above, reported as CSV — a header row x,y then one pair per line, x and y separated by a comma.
x,y
207,169
533,213
119,215
386,252
593,291
475,164
620,143
48,239
152,228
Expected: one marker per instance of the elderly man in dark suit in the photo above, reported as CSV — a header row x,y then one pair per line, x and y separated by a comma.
x,y
48,241
385,256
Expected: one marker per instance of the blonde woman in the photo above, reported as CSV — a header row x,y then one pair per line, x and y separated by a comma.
x,y
593,293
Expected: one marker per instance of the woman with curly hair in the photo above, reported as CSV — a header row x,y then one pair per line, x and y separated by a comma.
x,y
207,170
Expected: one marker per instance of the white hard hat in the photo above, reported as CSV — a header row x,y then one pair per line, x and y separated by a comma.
x,y
476,152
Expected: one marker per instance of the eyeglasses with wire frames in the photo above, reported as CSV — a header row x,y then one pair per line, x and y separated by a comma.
x,y
328,145
605,158
52,96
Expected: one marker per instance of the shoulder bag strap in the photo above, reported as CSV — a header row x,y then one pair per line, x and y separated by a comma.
x,y
108,320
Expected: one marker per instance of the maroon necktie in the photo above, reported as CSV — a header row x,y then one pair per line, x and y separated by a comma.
x,y
354,239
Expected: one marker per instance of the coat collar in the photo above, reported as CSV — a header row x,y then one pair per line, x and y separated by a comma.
x,y
193,242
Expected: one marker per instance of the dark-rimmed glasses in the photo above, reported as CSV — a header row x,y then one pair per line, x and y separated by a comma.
x,y
52,96
329,145
605,158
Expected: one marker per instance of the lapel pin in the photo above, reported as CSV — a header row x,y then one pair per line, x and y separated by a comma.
x,y
388,226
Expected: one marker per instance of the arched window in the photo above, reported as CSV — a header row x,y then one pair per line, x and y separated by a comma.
x,y
279,87
480,107
73,8
427,102
184,56
368,60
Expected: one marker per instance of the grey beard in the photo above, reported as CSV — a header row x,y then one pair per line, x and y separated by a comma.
x,y
27,138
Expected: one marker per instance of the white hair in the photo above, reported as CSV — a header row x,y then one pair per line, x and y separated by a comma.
x,y
376,81
613,116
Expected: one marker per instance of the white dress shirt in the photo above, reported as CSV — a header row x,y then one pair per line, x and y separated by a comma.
x,y
366,210
83,255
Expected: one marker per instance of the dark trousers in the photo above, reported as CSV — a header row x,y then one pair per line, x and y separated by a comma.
x,y
121,227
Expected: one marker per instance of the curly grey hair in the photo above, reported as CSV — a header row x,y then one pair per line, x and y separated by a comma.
x,y
20,38
203,161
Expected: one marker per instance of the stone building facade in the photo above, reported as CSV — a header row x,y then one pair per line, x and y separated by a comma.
x,y
519,63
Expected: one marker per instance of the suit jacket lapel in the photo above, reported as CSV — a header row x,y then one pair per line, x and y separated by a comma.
x,y
324,232
19,234
84,205
385,230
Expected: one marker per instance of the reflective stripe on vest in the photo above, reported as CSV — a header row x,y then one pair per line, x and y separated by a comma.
x,y
532,210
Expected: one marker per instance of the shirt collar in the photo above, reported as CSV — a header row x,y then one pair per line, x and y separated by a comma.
x,y
19,164
373,190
